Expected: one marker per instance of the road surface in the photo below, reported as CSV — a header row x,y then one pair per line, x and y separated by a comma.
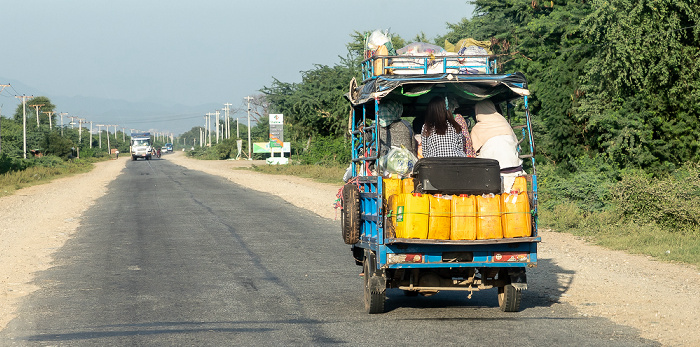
x,y
171,256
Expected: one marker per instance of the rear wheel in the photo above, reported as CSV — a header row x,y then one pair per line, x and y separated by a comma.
x,y
509,298
375,295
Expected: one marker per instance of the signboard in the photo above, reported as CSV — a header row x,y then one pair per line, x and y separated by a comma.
x,y
264,147
276,130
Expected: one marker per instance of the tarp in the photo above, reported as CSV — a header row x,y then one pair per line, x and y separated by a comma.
x,y
475,87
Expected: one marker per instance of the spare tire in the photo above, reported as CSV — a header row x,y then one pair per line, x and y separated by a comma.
x,y
350,214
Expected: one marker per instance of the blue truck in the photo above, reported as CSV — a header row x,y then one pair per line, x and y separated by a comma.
x,y
424,266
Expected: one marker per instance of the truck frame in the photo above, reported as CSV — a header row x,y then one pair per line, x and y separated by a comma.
x,y
425,266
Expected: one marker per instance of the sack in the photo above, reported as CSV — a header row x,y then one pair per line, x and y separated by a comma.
x,y
376,39
398,160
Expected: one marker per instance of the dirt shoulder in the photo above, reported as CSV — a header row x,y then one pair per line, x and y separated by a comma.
x,y
658,299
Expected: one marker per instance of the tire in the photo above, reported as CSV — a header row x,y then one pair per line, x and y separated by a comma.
x,y
350,214
509,298
133,157
374,297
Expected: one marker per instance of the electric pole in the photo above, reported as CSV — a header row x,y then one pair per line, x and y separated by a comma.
x,y
209,114
90,134
217,126
50,114
24,121
228,125
250,145
99,131
62,114
37,113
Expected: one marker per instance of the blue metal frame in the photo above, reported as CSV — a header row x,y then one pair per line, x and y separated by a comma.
x,y
364,151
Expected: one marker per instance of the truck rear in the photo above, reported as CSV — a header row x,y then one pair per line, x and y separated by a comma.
x,y
450,224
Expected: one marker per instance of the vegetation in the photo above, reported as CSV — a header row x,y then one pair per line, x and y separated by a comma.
x,y
615,98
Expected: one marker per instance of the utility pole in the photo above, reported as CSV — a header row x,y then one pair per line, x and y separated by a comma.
x,y
217,126
72,121
90,134
238,136
99,131
37,113
24,121
62,114
209,114
50,114
123,134
228,124
80,134
250,145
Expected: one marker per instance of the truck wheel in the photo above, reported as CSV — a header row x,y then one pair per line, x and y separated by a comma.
x,y
133,157
509,298
375,295
350,214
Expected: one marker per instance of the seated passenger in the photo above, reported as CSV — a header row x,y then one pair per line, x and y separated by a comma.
x,y
468,147
493,138
441,135
393,131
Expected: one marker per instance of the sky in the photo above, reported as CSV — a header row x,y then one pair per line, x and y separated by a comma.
x,y
163,64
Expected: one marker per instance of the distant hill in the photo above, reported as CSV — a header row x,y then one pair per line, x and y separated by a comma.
x,y
142,115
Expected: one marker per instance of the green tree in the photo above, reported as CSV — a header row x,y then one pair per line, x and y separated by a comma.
x,y
642,105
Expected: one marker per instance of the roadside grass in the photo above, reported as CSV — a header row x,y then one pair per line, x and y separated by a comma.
x,y
318,173
34,175
609,230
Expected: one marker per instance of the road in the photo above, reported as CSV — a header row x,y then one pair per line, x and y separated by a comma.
x,y
171,256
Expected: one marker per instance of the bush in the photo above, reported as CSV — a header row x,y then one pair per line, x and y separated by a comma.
x,y
329,151
672,201
8,164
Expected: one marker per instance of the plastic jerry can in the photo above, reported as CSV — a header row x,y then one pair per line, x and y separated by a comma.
x,y
520,184
439,217
391,186
488,222
463,221
516,218
412,216
407,185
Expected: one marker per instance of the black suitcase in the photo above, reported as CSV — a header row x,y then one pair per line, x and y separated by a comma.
x,y
457,175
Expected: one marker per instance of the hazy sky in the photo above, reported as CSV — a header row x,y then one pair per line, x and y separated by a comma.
x,y
190,52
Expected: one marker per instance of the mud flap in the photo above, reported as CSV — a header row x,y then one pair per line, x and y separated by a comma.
x,y
377,284
518,278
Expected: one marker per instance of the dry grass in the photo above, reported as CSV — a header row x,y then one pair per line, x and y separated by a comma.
x,y
15,180
324,174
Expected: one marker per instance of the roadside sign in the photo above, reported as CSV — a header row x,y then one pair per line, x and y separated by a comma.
x,y
276,130
264,147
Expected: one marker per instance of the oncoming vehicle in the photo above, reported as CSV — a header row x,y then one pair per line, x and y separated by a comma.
x,y
141,146
169,147
450,224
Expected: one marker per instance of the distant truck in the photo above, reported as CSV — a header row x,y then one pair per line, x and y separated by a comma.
x,y
168,147
141,146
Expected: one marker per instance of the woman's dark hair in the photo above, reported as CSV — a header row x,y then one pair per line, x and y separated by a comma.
x,y
437,117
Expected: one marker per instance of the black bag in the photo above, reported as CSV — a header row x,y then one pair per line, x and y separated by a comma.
x,y
457,175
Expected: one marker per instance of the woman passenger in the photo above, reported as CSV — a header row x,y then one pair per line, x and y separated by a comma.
x,y
441,135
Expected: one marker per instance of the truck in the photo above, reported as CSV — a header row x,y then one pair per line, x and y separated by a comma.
x,y
393,263
141,146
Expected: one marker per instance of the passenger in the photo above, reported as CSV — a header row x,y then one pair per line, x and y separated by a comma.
x,y
393,131
468,147
441,135
493,138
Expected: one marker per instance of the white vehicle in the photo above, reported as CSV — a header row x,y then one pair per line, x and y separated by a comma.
x,y
141,146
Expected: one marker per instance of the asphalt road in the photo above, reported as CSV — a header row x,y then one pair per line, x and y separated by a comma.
x,y
172,256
